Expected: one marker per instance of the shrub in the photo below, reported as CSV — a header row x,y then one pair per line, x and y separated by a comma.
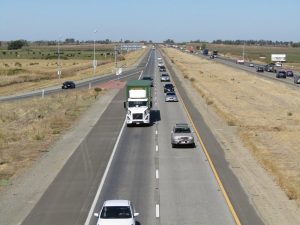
x,y
18,64
289,113
192,79
186,76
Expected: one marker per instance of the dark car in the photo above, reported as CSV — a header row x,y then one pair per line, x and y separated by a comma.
x,y
148,78
289,73
297,79
68,84
281,74
260,69
168,88
162,69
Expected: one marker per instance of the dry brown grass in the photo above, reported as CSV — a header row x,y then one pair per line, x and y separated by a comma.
x,y
35,74
266,114
29,127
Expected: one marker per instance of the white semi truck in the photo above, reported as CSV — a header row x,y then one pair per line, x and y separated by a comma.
x,y
138,102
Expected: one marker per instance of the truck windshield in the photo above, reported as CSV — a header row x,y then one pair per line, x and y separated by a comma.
x,y
137,103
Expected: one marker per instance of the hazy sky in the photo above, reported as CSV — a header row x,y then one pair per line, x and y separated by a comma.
x,y
157,20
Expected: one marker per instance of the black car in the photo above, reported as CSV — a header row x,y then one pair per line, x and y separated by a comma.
x,y
260,69
168,88
297,79
162,69
281,74
68,84
148,78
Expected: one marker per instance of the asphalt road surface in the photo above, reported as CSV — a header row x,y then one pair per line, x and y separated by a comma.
x,y
167,186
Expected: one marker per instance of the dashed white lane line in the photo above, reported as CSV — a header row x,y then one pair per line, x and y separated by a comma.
x,y
156,174
157,210
156,132
156,148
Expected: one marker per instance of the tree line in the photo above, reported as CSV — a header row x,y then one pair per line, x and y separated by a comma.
x,y
258,42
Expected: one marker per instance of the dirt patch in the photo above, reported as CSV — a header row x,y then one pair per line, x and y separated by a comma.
x,y
116,84
263,116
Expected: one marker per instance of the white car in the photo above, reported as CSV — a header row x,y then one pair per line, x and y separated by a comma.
x,y
116,212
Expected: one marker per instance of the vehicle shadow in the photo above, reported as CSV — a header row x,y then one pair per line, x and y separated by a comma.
x,y
137,223
155,116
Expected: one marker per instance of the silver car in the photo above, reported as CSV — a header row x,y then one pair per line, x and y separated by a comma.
x,y
164,77
182,135
171,97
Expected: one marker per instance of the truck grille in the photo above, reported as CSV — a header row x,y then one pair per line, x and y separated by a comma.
x,y
137,116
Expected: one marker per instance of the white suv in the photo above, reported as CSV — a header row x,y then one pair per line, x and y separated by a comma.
x,y
116,212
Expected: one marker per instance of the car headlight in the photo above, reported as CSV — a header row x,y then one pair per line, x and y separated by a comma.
x,y
191,138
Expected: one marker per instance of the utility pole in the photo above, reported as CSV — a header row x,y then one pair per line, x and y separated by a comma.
x,y
94,61
116,63
58,59
244,51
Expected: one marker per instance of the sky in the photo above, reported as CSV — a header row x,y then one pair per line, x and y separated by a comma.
x,y
156,20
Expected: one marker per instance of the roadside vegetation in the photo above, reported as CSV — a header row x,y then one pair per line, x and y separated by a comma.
x,y
29,127
265,114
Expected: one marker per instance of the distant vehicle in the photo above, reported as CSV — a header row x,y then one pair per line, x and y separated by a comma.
x,y
148,78
164,77
182,135
162,69
205,51
260,69
271,68
289,73
160,64
171,97
215,53
297,79
251,65
168,88
118,212
159,59
281,74
240,61
278,64
211,56
68,85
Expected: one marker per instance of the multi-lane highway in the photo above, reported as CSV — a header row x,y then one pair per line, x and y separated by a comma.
x,y
166,185
246,67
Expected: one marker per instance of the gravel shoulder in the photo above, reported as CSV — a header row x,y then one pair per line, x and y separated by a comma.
x,y
206,88
19,198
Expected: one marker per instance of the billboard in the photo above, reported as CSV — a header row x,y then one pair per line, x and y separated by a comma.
x,y
278,57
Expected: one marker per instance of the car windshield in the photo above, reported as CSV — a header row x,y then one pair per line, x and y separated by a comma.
x,y
170,94
147,78
182,130
137,103
164,75
115,212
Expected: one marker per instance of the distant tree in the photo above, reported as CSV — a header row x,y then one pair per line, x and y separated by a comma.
x,y
16,44
150,41
69,40
127,41
203,46
169,41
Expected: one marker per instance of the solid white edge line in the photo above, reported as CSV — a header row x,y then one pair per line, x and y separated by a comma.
x,y
156,148
156,174
92,209
157,210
